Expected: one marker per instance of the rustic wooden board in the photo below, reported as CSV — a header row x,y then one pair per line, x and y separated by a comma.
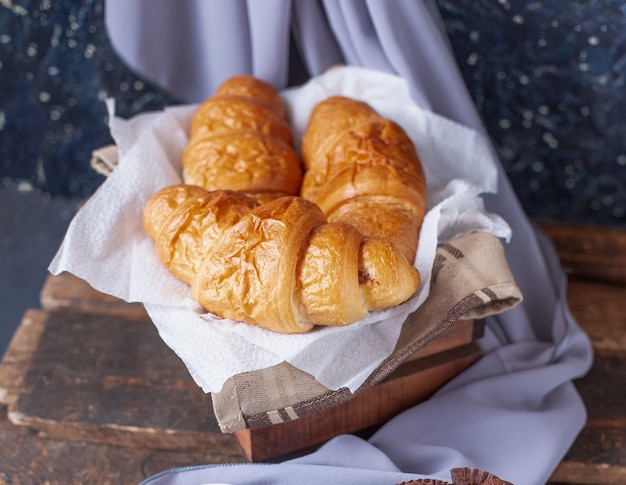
x,y
599,456
409,385
28,458
101,379
66,292
599,307
589,251
96,378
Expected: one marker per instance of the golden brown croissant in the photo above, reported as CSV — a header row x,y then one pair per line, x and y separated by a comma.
x,y
240,140
363,169
278,265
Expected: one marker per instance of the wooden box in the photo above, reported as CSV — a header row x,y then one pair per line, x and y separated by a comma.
x,y
90,367
413,382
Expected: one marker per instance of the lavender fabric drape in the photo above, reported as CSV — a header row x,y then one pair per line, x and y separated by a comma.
x,y
515,412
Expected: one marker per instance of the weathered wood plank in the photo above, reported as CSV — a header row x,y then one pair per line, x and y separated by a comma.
x,y
408,386
19,353
96,378
66,292
604,389
102,379
599,456
28,458
587,251
599,308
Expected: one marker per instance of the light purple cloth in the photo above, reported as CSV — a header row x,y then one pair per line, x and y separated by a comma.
x,y
514,413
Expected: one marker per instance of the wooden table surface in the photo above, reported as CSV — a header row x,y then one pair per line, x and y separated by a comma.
x,y
143,414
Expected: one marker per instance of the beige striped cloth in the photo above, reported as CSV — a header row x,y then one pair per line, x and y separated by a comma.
x,y
470,280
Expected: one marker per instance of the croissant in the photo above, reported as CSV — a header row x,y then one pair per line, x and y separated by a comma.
x,y
279,265
240,140
363,170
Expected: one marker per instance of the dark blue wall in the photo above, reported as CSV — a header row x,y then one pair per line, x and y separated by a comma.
x,y
56,69
547,77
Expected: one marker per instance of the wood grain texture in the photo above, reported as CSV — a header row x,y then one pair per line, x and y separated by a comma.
x,y
409,385
599,308
66,292
27,457
107,378
102,379
599,454
587,251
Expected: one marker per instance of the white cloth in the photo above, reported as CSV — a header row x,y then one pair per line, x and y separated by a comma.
x,y
516,412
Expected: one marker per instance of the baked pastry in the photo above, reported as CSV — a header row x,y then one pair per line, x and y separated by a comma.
x,y
363,169
240,140
278,265
185,223
254,251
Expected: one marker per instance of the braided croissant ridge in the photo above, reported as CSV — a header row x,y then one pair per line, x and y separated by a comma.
x,y
240,140
254,249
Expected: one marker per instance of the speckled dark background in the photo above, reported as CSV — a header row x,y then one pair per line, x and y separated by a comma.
x,y
56,69
547,77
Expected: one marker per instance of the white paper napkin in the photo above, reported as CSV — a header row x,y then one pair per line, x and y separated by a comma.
x,y
105,243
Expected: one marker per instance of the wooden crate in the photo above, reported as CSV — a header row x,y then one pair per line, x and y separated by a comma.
x,y
100,373
413,382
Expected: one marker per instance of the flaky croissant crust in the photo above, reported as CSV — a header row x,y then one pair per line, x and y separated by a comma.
x,y
240,140
257,243
363,169
278,265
